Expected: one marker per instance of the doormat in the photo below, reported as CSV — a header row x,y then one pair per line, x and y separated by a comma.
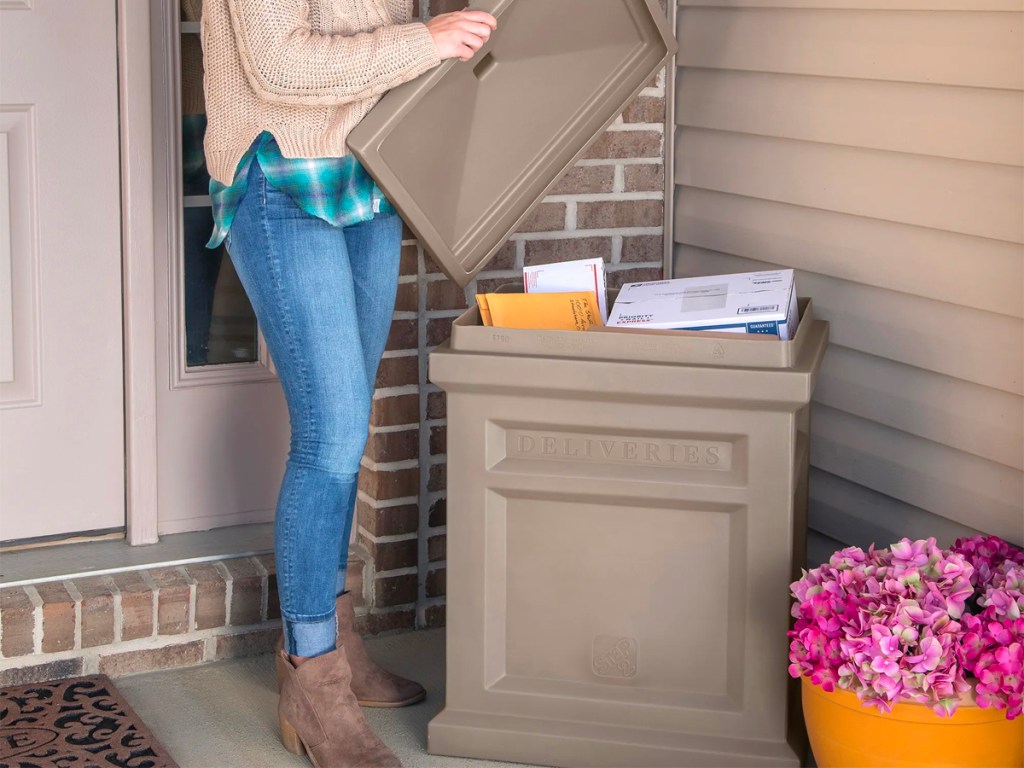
x,y
83,722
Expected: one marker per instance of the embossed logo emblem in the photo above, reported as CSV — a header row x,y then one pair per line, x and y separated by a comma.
x,y
614,656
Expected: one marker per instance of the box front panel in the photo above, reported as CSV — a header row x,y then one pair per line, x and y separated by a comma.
x,y
619,562
601,593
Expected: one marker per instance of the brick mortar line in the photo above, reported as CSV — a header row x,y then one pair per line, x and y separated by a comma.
x,y
396,427
76,596
401,501
392,428
155,591
191,617
389,609
617,241
389,466
393,353
193,600
571,210
264,587
118,608
229,587
365,583
389,539
396,572
520,255
405,389
37,618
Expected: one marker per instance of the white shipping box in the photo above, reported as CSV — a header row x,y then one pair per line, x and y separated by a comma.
x,y
749,302
569,277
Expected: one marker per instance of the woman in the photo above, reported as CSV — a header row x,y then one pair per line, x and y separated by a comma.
x,y
316,247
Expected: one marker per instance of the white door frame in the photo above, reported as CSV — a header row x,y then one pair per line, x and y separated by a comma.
x,y
135,85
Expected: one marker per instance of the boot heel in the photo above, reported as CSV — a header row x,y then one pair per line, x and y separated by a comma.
x,y
290,738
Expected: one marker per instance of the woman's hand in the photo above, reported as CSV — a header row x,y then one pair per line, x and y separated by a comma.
x,y
461,34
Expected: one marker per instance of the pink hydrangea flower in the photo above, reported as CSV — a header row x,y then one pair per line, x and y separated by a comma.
x,y
915,623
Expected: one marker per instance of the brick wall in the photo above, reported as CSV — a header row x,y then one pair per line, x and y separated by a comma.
x,y
610,205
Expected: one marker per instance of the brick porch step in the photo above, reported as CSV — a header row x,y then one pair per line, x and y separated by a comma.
x,y
154,618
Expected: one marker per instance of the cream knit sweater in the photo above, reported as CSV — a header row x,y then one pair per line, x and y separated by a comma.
x,y
305,70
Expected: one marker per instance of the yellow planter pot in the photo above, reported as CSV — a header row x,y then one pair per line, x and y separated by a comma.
x,y
846,734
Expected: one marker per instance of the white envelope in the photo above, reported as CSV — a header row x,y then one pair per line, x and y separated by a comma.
x,y
567,276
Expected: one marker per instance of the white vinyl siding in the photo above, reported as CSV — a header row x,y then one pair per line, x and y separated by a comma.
x,y
878,149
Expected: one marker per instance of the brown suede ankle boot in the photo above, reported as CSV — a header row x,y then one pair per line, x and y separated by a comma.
x,y
319,716
372,685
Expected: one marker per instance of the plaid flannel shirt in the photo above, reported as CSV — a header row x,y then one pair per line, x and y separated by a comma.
x,y
335,189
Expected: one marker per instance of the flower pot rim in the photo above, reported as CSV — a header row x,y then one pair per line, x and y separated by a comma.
x,y
967,708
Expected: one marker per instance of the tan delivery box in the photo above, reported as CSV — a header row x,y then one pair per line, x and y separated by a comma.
x,y
625,513
625,510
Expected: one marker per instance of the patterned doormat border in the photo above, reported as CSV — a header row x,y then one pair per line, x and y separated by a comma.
x,y
76,723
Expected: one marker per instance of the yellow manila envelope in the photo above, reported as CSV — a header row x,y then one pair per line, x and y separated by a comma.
x,y
576,311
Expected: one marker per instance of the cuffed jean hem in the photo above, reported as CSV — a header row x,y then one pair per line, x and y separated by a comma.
x,y
310,638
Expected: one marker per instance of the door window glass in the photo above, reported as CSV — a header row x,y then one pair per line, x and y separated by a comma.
x,y
220,325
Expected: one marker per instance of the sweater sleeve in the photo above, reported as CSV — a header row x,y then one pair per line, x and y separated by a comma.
x,y
287,62
400,10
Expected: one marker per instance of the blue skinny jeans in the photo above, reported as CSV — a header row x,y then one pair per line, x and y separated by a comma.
x,y
324,297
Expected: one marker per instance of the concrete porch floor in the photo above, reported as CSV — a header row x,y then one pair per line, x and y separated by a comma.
x,y
224,715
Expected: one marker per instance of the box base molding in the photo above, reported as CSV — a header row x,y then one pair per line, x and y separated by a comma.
x,y
489,736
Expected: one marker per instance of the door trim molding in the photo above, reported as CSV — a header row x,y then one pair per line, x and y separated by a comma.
x,y
135,92
669,140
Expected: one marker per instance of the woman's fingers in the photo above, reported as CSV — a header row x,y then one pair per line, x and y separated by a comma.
x,y
475,27
482,17
462,33
473,41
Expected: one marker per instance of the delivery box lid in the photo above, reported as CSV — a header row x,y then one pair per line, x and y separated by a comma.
x,y
466,151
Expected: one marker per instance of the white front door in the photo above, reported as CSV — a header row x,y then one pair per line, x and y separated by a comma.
x,y
61,388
